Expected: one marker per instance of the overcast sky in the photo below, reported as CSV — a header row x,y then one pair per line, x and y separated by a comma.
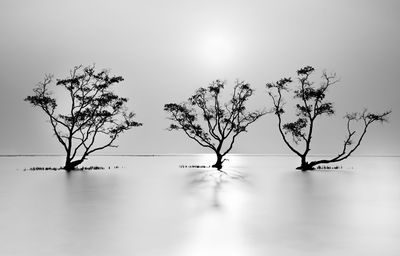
x,y
167,49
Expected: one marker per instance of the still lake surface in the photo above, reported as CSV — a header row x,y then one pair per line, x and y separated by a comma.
x,y
152,206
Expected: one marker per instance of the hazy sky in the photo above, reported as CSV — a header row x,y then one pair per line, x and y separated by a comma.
x,y
167,49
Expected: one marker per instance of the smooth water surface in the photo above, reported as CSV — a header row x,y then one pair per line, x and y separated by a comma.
x,y
152,206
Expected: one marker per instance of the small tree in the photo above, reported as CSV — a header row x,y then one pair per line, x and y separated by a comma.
x,y
93,111
311,105
222,122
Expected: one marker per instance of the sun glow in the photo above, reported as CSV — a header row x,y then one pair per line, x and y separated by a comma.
x,y
217,50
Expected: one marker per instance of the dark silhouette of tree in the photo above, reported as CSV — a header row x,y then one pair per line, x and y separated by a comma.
x,y
311,105
93,111
222,122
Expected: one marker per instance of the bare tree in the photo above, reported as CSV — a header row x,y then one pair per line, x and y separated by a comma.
x,y
222,122
311,105
93,111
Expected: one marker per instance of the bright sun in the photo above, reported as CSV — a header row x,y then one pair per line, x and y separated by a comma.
x,y
217,50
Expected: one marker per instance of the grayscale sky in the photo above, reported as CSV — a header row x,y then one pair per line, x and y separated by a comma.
x,y
167,49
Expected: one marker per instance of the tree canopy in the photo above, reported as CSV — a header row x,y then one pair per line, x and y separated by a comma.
x,y
311,104
211,123
94,111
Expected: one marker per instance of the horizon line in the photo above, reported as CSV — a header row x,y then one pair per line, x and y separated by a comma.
x,y
192,154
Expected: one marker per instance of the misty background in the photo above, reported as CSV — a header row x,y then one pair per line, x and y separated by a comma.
x,y
165,50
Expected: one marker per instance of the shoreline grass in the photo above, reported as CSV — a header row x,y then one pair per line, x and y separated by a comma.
x,y
83,168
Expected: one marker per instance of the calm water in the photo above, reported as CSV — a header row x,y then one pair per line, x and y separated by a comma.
x,y
151,206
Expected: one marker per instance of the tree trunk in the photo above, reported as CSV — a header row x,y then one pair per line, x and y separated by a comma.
x,y
219,162
71,165
305,166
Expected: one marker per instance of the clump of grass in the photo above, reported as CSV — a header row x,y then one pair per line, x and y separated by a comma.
x,y
327,167
83,168
90,168
39,168
194,166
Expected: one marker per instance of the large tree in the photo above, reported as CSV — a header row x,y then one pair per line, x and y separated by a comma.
x,y
95,116
222,122
312,104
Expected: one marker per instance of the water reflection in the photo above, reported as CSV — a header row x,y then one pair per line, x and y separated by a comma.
x,y
258,206
122,212
214,180
219,197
